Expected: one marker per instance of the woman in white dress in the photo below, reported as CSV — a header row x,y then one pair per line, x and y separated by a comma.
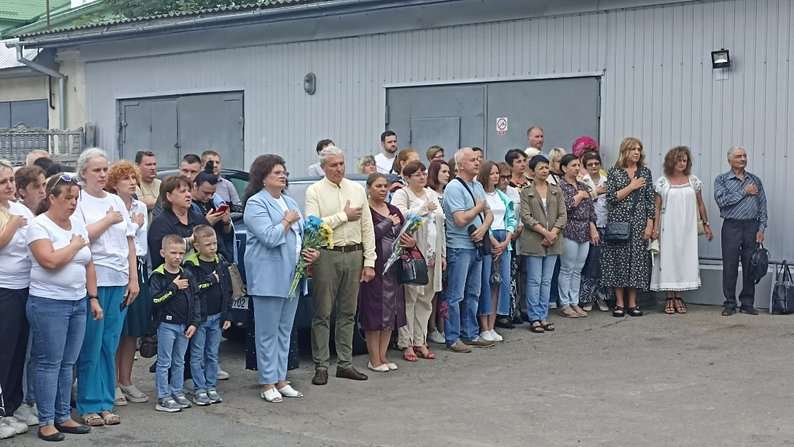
x,y
679,208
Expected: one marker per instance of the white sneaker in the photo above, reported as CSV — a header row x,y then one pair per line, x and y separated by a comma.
x,y
6,431
487,336
19,427
133,394
120,400
223,375
27,414
496,335
437,337
553,305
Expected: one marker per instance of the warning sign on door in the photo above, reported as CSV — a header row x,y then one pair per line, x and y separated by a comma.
x,y
501,125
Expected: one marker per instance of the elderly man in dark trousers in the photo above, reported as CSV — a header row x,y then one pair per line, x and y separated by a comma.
x,y
742,201
339,270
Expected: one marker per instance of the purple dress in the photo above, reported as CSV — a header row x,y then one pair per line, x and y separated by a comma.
x,y
381,303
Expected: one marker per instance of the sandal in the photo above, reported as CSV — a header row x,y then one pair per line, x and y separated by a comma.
x,y
423,352
537,327
618,312
669,306
93,420
271,395
680,305
548,326
110,418
409,355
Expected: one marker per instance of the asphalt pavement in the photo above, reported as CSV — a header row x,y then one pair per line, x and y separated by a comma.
x,y
685,380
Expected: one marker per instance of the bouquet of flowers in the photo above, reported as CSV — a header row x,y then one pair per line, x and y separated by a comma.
x,y
316,234
412,223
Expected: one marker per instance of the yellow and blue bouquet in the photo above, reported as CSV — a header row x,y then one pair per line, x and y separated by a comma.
x,y
316,234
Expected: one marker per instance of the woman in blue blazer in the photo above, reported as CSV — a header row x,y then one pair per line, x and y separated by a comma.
x,y
274,229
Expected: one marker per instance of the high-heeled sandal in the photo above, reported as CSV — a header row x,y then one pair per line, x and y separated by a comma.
x,y
669,306
680,305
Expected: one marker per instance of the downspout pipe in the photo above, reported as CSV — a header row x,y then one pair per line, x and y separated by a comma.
x,y
49,72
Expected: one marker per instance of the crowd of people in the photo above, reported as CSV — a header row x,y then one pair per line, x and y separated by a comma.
x,y
94,264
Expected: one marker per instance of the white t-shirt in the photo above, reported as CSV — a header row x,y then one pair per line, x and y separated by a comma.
x,y
384,163
295,226
141,245
110,250
14,259
498,209
68,282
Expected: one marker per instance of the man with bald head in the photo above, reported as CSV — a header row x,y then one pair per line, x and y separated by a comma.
x,y
468,220
535,137
742,201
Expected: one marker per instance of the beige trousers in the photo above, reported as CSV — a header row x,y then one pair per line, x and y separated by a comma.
x,y
418,307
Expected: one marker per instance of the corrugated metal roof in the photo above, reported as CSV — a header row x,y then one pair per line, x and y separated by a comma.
x,y
264,4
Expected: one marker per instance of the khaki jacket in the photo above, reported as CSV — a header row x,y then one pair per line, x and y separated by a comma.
x,y
532,213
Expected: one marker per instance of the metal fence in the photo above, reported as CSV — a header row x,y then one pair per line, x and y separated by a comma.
x,y
63,145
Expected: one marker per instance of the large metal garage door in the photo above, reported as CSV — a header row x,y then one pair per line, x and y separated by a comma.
x,y
466,115
177,125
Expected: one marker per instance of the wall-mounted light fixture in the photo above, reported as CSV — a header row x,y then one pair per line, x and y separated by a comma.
x,y
720,58
310,83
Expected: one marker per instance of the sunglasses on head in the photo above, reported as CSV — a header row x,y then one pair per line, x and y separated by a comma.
x,y
65,178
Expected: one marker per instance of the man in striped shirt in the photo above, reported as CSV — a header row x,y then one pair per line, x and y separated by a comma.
x,y
742,201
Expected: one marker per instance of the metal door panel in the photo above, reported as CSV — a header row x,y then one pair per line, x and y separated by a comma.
x,y
135,127
565,108
213,121
467,102
444,132
164,136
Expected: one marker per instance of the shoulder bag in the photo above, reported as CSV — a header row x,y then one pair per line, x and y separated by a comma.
x,y
620,232
484,246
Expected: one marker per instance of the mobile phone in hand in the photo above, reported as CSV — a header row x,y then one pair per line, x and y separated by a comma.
x,y
223,208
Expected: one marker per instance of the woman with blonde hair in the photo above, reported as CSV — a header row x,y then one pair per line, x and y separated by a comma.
x,y
626,264
123,177
555,174
679,209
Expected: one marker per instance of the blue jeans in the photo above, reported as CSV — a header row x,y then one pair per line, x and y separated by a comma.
x,y
96,366
273,319
503,298
539,270
204,347
58,328
171,347
572,262
464,278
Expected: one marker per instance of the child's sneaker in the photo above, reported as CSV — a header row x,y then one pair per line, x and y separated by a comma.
x,y
201,399
168,405
182,401
214,396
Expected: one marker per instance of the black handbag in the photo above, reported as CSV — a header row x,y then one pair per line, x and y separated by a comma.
x,y
620,232
759,263
413,267
783,291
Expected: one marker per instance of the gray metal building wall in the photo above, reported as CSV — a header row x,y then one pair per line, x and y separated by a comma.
x,y
657,84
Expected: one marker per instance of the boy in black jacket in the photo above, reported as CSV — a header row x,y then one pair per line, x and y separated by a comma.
x,y
215,297
178,314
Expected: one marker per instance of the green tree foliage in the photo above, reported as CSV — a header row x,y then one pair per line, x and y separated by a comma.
x,y
142,8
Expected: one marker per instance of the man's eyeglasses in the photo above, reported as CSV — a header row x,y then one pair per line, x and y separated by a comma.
x,y
66,178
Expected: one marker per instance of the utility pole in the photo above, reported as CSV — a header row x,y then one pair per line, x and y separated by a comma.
x,y
48,15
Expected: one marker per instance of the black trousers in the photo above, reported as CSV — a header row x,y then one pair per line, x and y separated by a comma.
x,y
738,242
13,347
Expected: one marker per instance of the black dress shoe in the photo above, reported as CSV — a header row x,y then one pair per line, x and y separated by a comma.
x,y
350,373
748,310
727,311
504,322
78,430
55,437
634,311
320,376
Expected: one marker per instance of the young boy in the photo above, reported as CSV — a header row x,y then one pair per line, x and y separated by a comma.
x,y
214,286
178,315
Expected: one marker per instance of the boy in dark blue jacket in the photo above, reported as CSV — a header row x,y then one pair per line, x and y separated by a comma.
x,y
178,314
214,286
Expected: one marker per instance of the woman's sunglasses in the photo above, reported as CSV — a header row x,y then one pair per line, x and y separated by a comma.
x,y
65,178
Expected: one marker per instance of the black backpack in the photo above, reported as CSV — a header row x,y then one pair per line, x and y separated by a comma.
x,y
759,263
